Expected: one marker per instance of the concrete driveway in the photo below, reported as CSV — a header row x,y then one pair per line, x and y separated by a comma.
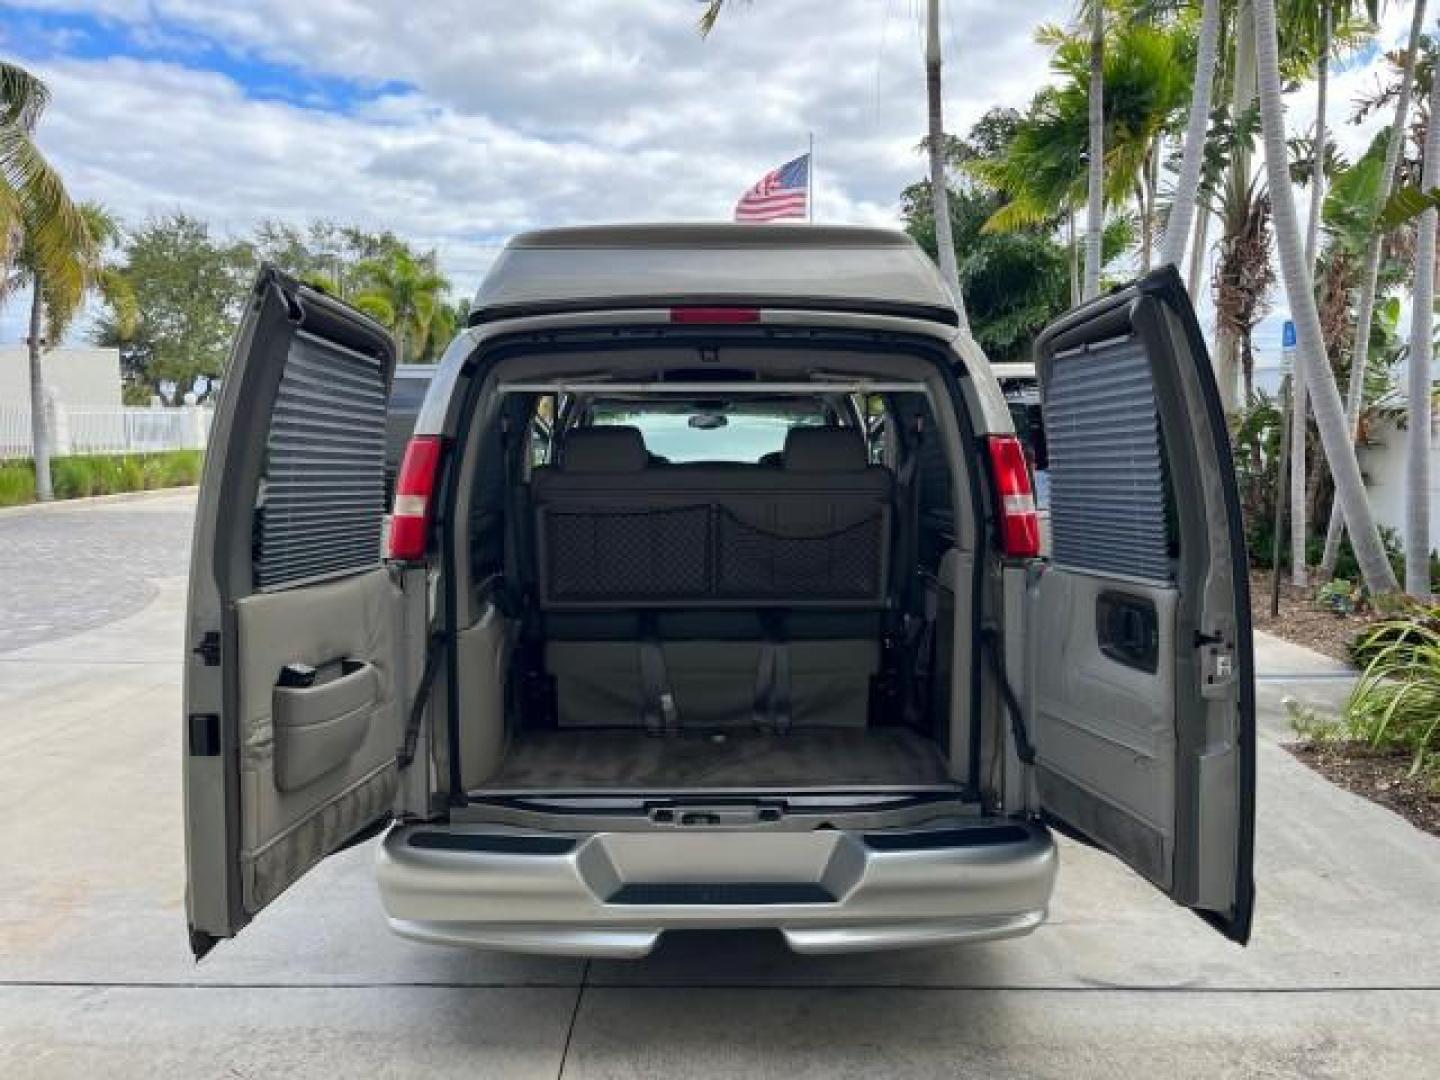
x,y
1342,979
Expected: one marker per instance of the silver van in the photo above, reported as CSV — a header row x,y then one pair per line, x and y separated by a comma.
x,y
713,596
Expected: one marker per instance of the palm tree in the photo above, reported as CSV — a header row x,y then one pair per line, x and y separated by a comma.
x,y
1146,86
1301,17
1370,274
1417,456
935,143
1329,416
1239,191
1300,397
33,199
935,150
1187,186
55,299
1095,148
47,243
401,291
448,318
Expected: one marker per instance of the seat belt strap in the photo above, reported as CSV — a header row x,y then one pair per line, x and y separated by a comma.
x,y
772,679
405,755
764,684
657,701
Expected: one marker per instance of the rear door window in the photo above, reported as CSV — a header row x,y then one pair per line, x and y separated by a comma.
x,y
733,431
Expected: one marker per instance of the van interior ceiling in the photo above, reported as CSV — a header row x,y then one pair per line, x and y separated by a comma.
x,y
694,567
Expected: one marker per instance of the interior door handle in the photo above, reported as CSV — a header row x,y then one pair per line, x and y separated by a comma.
x,y
1128,630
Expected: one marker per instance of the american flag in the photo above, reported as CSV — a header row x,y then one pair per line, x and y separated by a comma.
x,y
780,193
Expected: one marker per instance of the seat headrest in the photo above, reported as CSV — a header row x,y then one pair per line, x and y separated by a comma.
x,y
604,449
824,449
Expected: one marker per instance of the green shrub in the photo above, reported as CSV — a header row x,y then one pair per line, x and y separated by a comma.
x,y
72,477
180,467
77,476
17,482
1405,628
1396,704
131,474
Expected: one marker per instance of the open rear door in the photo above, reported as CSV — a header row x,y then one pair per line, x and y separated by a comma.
x,y
295,663
1141,706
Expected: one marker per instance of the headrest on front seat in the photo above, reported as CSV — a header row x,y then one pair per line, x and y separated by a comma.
x,y
604,449
824,449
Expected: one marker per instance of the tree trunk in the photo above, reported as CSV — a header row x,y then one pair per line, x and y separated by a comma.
x,y
1242,97
1299,521
39,417
939,193
1074,259
1197,251
1370,273
1142,205
1417,442
1187,185
1329,416
1095,202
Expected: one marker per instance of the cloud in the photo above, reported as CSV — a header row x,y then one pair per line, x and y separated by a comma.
x,y
457,123
511,115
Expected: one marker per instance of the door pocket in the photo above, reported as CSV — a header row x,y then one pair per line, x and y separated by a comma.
x,y
319,727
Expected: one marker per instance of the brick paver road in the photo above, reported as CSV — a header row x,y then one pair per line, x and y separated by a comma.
x,y
68,568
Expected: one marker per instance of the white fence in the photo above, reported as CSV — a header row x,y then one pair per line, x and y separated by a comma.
x,y
108,431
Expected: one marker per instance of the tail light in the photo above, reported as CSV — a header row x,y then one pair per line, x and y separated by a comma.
x,y
1019,523
414,491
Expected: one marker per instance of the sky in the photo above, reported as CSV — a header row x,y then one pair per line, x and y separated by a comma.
x,y
456,123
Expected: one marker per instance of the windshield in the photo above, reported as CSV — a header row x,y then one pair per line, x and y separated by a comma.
x,y
730,431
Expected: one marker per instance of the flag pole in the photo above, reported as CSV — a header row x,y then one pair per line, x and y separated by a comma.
x,y
810,179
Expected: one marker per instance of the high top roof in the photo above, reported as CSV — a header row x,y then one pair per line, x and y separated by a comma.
x,y
822,267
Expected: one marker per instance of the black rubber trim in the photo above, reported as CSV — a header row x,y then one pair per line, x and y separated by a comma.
x,y
942,839
492,843
697,894
897,309
1237,924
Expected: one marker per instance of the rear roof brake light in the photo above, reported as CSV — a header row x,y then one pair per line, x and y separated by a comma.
x,y
714,315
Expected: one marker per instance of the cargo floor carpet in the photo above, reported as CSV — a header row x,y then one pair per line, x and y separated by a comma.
x,y
814,757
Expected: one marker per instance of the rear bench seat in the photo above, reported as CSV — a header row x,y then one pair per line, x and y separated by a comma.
x,y
748,582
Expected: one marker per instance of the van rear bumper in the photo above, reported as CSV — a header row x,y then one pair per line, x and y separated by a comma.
x,y
612,894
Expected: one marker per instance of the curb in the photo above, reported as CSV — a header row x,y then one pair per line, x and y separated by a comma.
x,y
91,500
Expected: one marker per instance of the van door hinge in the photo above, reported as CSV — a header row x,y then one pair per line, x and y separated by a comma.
x,y
209,648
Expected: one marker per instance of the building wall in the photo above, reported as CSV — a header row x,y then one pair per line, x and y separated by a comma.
x,y
82,377
1383,463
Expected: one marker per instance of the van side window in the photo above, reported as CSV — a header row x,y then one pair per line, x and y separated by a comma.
x,y
1108,484
321,498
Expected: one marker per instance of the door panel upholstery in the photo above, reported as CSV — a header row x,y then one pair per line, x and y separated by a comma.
x,y
1104,731
354,619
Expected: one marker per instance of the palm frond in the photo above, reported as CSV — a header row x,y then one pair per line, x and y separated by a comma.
x,y
52,225
23,96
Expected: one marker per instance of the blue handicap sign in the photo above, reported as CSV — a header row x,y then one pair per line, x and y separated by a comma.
x,y
1287,335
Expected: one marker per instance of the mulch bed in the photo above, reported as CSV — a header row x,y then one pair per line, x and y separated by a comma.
x,y
1302,620
1379,776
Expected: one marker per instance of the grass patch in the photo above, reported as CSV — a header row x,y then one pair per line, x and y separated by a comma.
x,y
79,476
17,482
